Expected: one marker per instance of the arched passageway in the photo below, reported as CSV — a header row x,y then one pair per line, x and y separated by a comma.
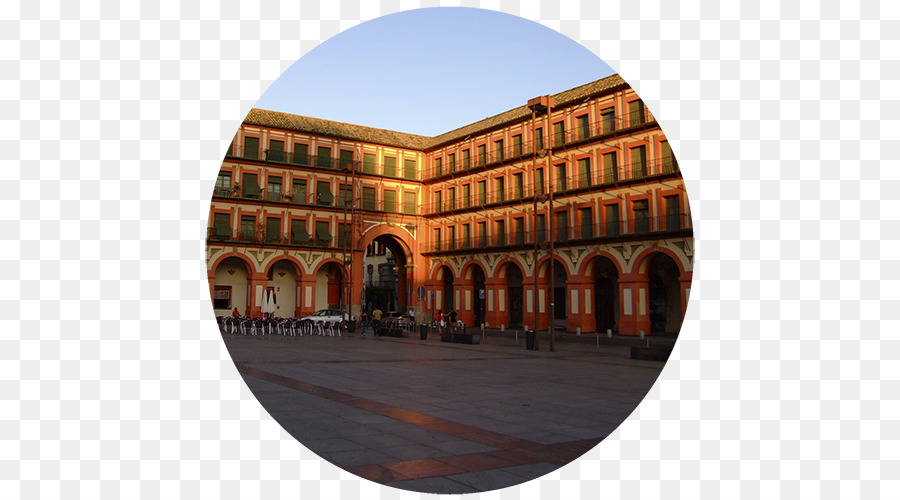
x,y
330,278
447,280
665,296
606,295
515,295
478,294
231,288
386,279
559,295
283,279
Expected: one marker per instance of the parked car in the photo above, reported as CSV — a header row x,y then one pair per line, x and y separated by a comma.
x,y
330,316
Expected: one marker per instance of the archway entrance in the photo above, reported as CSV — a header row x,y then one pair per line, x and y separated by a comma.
x,y
282,279
516,295
331,279
479,294
559,295
385,282
447,279
665,295
606,295
231,288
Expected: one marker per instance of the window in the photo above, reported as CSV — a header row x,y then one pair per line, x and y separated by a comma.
x,y
561,177
612,219
451,198
610,167
451,238
248,227
559,134
346,160
466,159
641,216
636,113
583,127
541,228
298,232
482,193
639,162
274,189
273,229
584,172
409,202
344,195
437,239
517,145
539,188
669,165
298,192
501,233
608,119
498,150
221,226
368,198
519,230
276,151
251,147
390,166
467,235
562,226
343,235
538,139
673,216
482,234
223,184
301,154
500,182
482,155
587,222
368,163
518,185
323,193
438,206
438,168
323,234
467,195
323,159
222,297
409,169
390,200
251,187
451,162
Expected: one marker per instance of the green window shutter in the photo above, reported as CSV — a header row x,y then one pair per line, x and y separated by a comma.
x,y
346,159
501,233
539,139
299,235
587,223
583,127
248,227
273,229
541,228
559,134
519,228
390,201
517,145
438,167
390,166
669,165
251,147
409,202
323,235
466,159
251,186
409,169
323,158
636,113
222,226
562,226
482,155
298,191
612,220
610,167
608,120
368,198
301,154
323,193
368,163
276,151
639,162
584,172
641,216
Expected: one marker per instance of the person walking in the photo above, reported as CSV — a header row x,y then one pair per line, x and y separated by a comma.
x,y
376,320
364,321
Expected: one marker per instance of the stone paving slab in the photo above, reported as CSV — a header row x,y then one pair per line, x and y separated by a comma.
x,y
444,418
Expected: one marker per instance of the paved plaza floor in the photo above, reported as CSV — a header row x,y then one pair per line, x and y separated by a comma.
x,y
436,417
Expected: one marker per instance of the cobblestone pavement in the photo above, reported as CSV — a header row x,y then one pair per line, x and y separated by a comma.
x,y
437,417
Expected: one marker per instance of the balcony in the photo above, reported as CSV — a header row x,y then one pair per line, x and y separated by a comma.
x,y
314,161
224,235
596,232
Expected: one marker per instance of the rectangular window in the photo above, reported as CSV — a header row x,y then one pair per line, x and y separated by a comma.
x,y
299,235
451,162
248,227
482,234
636,113
298,192
518,185
368,163
222,297
437,239
669,165
301,154
612,220
343,234
608,120
641,216
346,160
562,226
451,237
438,205
639,162
517,145
223,184
466,159
323,158
273,193
500,195
540,229
519,230
538,139
344,195
438,167
587,222
409,202
409,169
673,213
323,234
610,167
467,236
273,229
559,134
390,201
584,127
276,151
482,193
482,155
584,172
501,233
467,195
323,193
251,187
368,198
561,177
498,150
221,226
251,147
539,188
390,166
451,198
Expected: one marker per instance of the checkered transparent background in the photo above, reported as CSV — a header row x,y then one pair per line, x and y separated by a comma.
x,y
113,120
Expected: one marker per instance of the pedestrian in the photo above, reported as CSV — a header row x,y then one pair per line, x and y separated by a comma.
x,y
364,321
439,319
235,314
453,316
376,320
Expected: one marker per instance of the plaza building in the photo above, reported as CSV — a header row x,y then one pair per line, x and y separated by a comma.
x,y
568,212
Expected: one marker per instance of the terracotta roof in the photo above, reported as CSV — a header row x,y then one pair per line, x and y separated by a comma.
x,y
286,121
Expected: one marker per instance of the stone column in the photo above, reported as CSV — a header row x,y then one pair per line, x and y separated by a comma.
x,y
580,301
257,282
634,298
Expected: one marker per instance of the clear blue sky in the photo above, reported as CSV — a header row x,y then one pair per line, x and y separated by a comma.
x,y
429,71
